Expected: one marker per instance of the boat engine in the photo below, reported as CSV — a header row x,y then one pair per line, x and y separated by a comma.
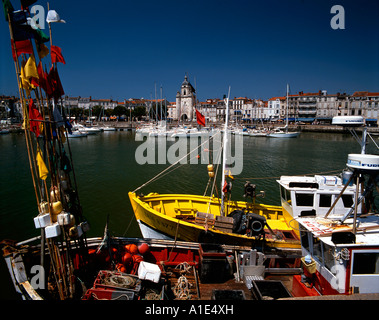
x,y
248,223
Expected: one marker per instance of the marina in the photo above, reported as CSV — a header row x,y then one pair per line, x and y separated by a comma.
x,y
185,211
107,159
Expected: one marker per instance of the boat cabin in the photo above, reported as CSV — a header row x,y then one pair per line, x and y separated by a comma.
x,y
337,261
314,196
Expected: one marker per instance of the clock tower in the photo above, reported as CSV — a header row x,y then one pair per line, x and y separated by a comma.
x,y
185,101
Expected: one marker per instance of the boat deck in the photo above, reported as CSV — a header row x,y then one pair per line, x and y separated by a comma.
x,y
229,289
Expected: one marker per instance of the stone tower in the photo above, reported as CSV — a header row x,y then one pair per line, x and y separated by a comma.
x,y
185,101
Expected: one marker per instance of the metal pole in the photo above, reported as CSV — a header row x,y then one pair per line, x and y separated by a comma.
x,y
224,154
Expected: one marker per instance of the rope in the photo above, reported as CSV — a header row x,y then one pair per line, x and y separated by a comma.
x,y
168,168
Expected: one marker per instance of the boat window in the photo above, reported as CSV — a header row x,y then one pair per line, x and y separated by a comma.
x,y
328,256
317,250
288,196
366,263
285,194
325,200
304,200
347,200
304,238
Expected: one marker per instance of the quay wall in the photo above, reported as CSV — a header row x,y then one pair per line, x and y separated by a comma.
x,y
124,125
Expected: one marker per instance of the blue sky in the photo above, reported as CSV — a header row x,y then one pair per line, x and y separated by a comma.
x,y
120,49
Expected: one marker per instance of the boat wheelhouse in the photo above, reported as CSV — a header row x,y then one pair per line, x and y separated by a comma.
x,y
315,196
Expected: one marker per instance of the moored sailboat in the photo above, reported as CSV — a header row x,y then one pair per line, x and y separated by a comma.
x,y
283,132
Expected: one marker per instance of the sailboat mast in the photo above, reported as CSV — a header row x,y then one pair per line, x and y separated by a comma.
x,y
225,143
161,103
156,105
287,109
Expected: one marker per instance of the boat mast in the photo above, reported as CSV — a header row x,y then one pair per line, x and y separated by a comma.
x,y
156,105
287,109
225,143
161,104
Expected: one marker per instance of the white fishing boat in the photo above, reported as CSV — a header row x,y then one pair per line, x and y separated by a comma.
x,y
339,226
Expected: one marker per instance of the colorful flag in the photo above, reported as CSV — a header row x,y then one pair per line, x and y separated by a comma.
x,y
200,118
43,81
40,36
24,46
57,117
53,16
8,8
56,54
42,170
55,84
18,17
22,32
24,82
30,68
34,115
31,72
42,50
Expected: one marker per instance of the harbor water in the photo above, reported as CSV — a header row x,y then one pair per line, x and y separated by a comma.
x,y
106,170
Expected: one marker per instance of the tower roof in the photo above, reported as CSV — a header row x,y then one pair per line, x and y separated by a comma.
x,y
186,83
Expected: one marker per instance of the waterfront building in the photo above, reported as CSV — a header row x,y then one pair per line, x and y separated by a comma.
x,y
208,109
304,107
276,108
365,104
171,111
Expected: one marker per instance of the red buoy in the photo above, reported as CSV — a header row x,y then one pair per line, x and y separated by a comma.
x,y
133,249
143,248
127,258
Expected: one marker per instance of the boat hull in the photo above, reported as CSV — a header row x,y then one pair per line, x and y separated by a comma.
x,y
169,222
284,135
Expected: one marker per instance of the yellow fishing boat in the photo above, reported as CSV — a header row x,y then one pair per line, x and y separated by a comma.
x,y
219,220
197,218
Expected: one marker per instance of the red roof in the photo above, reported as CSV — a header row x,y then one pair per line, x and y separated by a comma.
x,y
365,94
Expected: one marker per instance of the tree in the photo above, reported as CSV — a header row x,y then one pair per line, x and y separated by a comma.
x,y
119,111
139,112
